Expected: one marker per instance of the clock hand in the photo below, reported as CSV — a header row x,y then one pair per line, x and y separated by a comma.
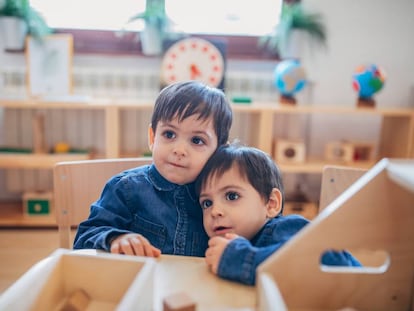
x,y
194,71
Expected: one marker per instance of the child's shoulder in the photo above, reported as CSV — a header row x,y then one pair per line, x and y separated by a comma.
x,y
293,221
132,173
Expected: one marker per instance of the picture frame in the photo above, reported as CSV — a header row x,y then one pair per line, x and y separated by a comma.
x,y
49,65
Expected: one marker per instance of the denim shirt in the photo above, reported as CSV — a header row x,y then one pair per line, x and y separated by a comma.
x,y
241,257
141,201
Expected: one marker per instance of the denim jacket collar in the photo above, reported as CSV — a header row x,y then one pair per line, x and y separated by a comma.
x,y
162,184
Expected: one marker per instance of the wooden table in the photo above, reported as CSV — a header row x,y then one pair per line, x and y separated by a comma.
x,y
171,274
190,274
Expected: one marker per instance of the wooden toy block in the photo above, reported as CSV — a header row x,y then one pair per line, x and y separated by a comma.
x,y
178,302
349,151
289,151
363,152
38,203
339,151
78,300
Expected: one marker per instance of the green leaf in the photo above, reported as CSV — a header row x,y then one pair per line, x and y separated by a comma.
x,y
37,26
294,17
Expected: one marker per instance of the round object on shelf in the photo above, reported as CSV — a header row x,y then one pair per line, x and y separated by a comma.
x,y
289,77
368,80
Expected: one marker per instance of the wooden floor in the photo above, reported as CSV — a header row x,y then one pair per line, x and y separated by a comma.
x,y
22,248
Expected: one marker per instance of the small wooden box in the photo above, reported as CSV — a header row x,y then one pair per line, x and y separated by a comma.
x,y
289,151
349,151
38,203
95,282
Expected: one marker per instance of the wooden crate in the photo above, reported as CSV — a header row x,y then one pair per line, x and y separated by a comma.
x,y
67,279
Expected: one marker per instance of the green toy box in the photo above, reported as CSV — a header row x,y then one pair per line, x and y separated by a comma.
x,y
38,203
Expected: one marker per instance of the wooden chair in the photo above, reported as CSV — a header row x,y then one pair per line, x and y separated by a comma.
x,y
335,180
376,213
77,184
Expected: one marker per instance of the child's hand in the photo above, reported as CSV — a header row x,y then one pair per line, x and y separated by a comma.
x,y
216,246
134,244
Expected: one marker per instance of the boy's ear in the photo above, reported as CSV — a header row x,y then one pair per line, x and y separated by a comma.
x,y
150,137
274,204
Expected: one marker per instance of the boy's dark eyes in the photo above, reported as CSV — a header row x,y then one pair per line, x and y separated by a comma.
x,y
231,196
168,134
197,140
206,204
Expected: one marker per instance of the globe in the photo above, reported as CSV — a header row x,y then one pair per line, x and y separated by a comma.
x,y
289,77
368,80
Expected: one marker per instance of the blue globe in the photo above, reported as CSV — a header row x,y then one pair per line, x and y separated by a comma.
x,y
368,80
289,77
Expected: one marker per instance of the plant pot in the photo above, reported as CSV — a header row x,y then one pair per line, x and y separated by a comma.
x,y
293,49
13,32
151,40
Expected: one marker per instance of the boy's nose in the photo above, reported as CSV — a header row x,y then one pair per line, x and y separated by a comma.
x,y
179,149
216,211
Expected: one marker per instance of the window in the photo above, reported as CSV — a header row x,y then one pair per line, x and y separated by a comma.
x,y
97,24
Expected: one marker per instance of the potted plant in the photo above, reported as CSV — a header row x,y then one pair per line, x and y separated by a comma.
x,y
18,19
294,19
156,24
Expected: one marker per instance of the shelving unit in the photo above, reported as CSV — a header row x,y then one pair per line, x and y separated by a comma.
x,y
117,128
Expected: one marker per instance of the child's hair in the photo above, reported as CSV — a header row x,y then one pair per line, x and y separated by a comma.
x,y
253,164
184,99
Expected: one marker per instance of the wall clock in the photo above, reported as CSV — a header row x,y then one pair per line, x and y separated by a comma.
x,y
194,59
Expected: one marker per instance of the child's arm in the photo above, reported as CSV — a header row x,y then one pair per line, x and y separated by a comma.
x,y
110,216
134,244
216,247
240,258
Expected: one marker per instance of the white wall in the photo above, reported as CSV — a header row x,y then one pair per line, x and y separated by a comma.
x,y
359,31
364,31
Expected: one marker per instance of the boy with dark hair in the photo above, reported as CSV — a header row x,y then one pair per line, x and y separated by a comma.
x,y
153,209
241,194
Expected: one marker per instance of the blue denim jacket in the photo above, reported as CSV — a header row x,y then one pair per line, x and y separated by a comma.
x,y
140,200
241,257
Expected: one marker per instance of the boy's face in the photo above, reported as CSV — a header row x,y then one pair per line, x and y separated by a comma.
x,y
231,205
180,149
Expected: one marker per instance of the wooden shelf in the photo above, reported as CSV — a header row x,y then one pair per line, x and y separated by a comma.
x,y
316,166
11,215
36,161
118,123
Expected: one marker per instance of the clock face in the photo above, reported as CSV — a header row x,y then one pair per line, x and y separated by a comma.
x,y
193,59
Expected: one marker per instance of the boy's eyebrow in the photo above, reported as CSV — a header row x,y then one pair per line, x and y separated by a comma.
x,y
166,124
202,132
223,189
162,123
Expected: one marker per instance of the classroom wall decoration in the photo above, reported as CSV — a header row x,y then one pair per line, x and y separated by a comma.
x,y
49,65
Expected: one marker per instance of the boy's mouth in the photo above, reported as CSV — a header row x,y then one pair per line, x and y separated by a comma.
x,y
176,165
221,230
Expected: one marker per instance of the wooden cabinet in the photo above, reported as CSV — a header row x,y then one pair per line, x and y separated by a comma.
x,y
396,132
116,128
